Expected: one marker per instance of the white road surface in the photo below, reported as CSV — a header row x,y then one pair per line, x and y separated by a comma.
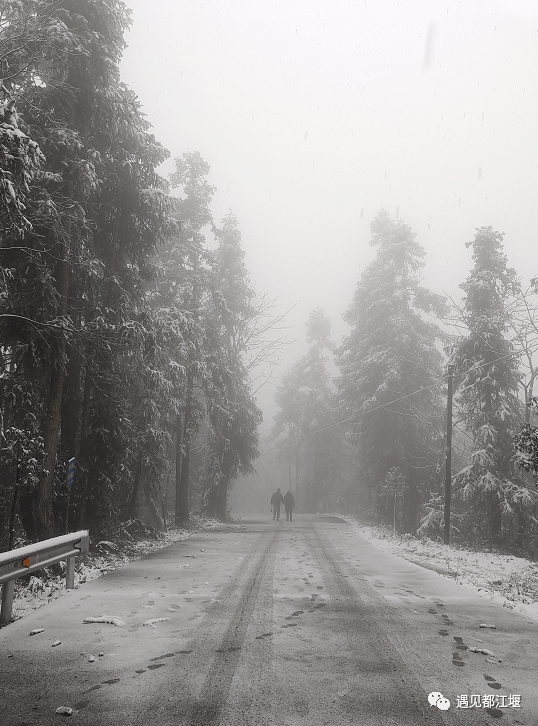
x,y
271,624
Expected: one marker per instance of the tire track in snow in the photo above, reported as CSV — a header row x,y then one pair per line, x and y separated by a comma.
x,y
387,691
213,696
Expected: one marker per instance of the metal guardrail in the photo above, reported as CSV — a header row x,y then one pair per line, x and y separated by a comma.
x,y
16,563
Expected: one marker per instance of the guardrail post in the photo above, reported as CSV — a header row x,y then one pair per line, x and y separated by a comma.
x,y
70,574
8,588
31,558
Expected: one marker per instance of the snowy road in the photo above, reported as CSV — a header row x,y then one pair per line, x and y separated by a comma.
x,y
272,624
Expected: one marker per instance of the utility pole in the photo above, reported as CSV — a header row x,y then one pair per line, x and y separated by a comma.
x,y
448,461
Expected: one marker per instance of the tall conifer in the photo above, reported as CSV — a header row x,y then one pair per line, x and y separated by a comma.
x,y
390,380
488,375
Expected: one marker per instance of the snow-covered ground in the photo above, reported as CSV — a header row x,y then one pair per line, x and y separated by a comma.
x,y
511,581
107,555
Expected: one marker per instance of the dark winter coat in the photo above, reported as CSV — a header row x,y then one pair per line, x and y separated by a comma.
x,y
289,501
277,499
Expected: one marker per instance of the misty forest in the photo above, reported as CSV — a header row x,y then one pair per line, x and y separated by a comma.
x,y
134,341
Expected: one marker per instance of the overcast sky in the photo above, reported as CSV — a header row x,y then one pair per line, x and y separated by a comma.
x,y
315,114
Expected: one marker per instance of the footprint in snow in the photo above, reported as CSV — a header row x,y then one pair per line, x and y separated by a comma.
x,y
492,682
81,705
494,712
160,657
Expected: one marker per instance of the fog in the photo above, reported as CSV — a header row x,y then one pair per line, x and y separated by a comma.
x,y
315,115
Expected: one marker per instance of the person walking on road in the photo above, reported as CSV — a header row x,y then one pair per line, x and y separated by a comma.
x,y
276,500
289,503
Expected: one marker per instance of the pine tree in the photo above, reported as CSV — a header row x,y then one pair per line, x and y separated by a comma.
x,y
234,416
102,212
488,379
390,367
178,299
303,425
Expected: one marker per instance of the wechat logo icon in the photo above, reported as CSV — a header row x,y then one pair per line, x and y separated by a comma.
x,y
437,699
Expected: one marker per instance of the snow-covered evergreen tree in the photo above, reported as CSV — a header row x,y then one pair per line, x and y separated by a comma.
x,y
234,416
391,377
179,299
487,377
304,423
96,212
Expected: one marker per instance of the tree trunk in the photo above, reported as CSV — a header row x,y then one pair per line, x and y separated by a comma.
x,y
521,521
2,428
222,499
133,504
153,511
45,514
80,491
296,474
289,456
72,406
85,418
495,520
14,505
45,492
179,456
182,506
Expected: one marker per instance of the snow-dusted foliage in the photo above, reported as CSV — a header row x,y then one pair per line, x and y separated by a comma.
x,y
391,378
234,418
487,379
526,442
77,338
308,445
20,161
207,297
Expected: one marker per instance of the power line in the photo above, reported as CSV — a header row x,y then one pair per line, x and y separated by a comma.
x,y
352,418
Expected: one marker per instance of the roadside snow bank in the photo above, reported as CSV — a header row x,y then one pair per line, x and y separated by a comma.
x,y
106,556
511,581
